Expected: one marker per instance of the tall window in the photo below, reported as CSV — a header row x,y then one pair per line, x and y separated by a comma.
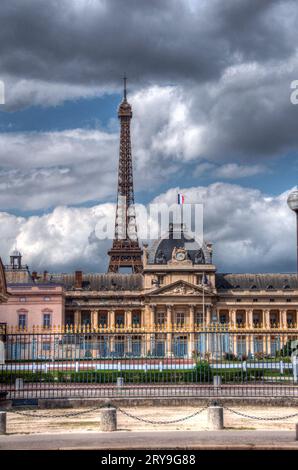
x,y
160,318
120,319
103,320
22,320
46,320
180,318
136,319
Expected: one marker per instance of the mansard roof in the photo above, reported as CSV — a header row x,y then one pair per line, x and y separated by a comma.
x,y
256,281
100,282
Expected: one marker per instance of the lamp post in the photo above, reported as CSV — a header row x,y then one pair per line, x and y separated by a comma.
x,y
293,205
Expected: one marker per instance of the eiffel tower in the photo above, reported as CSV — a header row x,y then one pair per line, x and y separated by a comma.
x,y
125,252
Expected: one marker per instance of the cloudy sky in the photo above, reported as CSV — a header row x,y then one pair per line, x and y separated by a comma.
x,y
210,84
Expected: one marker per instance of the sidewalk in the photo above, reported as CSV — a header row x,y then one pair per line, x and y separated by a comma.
x,y
209,440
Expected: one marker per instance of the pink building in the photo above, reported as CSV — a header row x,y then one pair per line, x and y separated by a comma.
x,y
32,301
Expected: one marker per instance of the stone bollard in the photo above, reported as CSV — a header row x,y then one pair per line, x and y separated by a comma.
x,y
296,431
215,418
2,422
108,419
19,384
120,381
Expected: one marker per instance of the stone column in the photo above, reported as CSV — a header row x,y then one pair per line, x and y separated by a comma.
x,y
232,318
208,315
152,315
128,319
266,318
94,319
111,319
283,319
169,330
150,338
249,315
77,318
191,338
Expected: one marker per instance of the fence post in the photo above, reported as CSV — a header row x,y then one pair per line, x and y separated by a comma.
x,y
215,418
108,419
2,422
19,384
2,353
217,381
295,367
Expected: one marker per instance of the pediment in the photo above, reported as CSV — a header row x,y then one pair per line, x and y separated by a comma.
x,y
183,288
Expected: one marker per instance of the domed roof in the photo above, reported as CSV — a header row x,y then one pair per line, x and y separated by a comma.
x,y
178,237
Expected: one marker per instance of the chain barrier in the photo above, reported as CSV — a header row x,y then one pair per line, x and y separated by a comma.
x,y
260,418
67,415
144,420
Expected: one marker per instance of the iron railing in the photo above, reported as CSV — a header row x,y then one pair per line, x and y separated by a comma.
x,y
156,363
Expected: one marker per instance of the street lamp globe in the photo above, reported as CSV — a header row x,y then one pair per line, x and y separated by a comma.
x,y
293,201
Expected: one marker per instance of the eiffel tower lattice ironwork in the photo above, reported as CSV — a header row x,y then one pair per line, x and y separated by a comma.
x,y
125,252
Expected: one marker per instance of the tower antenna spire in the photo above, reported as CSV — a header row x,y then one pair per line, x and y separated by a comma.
x,y
124,87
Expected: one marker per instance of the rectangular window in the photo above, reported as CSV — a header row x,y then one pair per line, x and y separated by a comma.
x,y
199,318
180,318
103,321
160,318
120,319
46,320
22,320
136,319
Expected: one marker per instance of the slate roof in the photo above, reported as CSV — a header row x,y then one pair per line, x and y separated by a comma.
x,y
256,281
100,282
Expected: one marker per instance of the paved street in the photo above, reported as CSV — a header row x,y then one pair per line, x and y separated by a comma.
x,y
153,440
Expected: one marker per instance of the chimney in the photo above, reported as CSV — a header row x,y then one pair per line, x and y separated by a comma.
x,y
78,279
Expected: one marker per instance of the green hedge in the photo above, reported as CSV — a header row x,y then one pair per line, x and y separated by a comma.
x,y
239,375
202,373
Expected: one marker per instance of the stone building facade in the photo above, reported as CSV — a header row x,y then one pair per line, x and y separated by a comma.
x,y
167,309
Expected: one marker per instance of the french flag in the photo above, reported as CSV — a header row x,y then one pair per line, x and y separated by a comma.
x,y
180,199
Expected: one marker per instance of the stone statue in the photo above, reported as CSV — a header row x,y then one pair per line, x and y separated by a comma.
x,y
200,257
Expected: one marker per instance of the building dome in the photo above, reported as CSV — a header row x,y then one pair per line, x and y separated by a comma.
x,y
178,237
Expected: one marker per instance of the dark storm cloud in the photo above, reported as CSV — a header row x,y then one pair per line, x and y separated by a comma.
x,y
229,64
94,41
